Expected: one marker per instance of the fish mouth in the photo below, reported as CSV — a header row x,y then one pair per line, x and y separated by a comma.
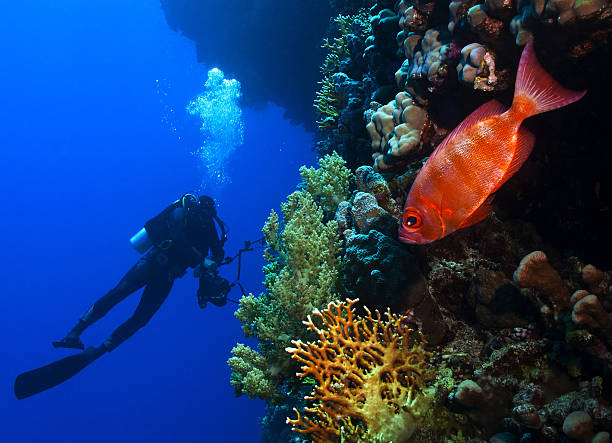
x,y
412,238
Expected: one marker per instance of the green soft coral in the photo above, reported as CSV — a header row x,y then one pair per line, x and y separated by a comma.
x,y
304,268
250,373
330,183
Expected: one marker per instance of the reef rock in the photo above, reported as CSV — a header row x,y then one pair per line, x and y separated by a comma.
x,y
371,264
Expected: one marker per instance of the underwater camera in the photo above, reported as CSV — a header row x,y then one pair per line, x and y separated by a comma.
x,y
212,288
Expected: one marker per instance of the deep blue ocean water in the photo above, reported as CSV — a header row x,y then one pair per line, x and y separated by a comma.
x,y
94,141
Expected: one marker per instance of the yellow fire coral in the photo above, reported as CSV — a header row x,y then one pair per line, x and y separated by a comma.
x,y
369,375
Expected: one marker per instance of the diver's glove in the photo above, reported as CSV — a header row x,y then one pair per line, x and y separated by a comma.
x,y
206,267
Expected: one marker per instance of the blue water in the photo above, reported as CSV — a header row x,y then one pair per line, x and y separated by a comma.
x,y
95,140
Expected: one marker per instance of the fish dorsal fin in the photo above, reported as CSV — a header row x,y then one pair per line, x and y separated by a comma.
x,y
479,214
524,145
486,110
489,109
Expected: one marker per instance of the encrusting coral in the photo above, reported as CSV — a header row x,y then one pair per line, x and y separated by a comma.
x,y
303,272
370,376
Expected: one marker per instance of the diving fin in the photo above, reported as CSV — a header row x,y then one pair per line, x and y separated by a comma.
x,y
40,379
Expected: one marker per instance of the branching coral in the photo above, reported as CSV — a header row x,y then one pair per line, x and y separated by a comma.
x,y
370,376
327,103
338,49
328,98
302,274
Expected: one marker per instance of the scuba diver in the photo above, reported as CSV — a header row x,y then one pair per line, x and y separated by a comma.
x,y
180,237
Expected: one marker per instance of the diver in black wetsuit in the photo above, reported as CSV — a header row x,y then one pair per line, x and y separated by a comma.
x,y
178,238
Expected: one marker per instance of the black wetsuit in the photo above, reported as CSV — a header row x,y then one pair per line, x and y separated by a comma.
x,y
182,241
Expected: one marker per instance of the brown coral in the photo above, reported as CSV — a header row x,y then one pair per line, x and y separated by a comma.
x,y
589,311
599,281
396,130
535,272
370,376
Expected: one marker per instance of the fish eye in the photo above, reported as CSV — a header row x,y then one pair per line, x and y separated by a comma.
x,y
412,220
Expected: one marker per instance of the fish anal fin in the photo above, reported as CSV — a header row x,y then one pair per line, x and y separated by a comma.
x,y
525,142
479,214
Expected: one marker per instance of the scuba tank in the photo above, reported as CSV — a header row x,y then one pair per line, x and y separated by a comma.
x,y
141,241
158,230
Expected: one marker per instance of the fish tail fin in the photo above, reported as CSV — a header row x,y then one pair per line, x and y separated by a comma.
x,y
534,83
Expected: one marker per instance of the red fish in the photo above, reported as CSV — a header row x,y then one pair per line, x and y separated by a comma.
x,y
455,187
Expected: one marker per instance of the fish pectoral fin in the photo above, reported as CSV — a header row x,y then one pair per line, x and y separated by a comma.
x,y
525,142
479,214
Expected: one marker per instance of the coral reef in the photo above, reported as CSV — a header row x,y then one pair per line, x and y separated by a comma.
x,y
589,311
368,180
535,272
447,58
370,377
516,309
427,59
